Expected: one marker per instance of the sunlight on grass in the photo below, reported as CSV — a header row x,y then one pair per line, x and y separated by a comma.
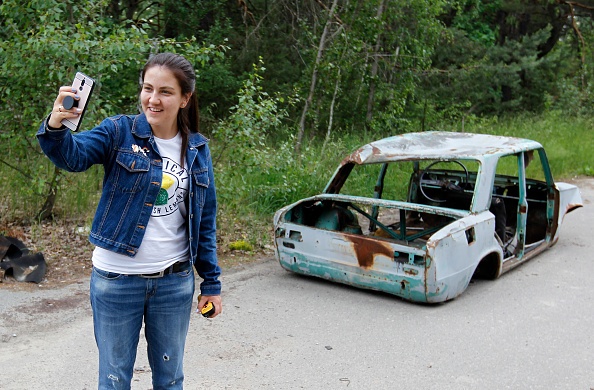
x,y
249,195
568,142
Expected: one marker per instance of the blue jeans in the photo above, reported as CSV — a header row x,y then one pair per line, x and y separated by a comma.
x,y
120,302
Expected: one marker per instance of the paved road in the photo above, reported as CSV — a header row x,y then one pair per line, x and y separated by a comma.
x,y
530,329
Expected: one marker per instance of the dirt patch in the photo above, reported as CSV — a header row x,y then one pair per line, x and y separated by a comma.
x,y
67,252
56,305
64,246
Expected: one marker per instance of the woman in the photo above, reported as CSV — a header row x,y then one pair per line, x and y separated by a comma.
x,y
155,219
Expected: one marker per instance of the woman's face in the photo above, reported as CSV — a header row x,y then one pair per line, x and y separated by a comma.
x,y
161,99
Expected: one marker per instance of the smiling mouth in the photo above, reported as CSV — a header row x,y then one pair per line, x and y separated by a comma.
x,y
154,109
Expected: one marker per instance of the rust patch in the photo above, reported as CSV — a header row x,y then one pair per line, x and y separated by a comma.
x,y
354,157
572,206
366,249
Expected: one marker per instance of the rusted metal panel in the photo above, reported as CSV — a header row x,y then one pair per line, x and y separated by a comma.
x,y
457,254
376,263
439,145
351,259
569,200
366,249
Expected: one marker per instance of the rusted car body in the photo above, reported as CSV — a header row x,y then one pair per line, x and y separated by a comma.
x,y
441,208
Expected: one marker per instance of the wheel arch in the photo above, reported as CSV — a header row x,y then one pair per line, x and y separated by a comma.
x,y
489,267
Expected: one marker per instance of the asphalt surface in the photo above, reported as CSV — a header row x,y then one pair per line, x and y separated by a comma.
x,y
530,329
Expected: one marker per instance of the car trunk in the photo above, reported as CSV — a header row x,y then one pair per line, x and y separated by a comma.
x,y
340,240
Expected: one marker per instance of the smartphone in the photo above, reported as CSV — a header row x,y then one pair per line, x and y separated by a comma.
x,y
84,86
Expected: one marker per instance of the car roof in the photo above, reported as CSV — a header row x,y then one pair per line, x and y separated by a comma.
x,y
439,145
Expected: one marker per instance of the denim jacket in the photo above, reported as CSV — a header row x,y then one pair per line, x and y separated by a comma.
x,y
125,146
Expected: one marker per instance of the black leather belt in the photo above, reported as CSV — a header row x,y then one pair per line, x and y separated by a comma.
x,y
174,268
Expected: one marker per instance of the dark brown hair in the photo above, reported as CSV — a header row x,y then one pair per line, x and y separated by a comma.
x,y
188,118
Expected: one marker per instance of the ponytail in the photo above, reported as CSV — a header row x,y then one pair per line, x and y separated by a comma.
x,y
188,117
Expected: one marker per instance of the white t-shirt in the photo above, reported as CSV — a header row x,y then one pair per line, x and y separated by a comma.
x,y
165,240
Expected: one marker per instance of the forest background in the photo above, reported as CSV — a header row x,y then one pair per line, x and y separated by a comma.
x,y
287,88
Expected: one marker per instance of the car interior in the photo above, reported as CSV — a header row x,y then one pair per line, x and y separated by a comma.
x,y
438,184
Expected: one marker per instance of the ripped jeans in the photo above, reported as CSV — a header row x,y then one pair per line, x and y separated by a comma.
x,y
120,302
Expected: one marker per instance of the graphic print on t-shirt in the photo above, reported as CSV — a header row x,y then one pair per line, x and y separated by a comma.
x,y
173,188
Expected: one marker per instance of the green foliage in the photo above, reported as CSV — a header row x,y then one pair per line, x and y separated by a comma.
x,y
42,46
44,42
566,139
256,169
240,148
254,115
476,18
398,44
461,65
486,79
507,56
241,245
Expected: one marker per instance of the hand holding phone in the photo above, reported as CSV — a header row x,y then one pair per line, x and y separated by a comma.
x,y
82,86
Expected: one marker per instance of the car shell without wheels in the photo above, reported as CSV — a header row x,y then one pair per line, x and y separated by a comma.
x,y
418,215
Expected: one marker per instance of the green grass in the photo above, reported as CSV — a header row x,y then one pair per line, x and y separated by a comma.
x,y
251,188
568,141
20,197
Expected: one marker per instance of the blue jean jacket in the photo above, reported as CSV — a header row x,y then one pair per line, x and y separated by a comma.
x,y
124,145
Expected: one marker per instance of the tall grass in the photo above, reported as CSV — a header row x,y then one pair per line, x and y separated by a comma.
x,y
252,195
250,191
279,177
567,140
20,198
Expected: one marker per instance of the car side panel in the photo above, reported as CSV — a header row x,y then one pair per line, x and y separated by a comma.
x,y
455,252
569,200
361,261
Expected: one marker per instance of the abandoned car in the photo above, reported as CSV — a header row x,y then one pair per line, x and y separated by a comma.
x,y
418,215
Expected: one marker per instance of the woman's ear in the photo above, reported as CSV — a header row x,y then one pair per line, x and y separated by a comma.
x,y
186,99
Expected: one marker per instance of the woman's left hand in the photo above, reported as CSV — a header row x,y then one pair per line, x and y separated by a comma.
x,y
215,300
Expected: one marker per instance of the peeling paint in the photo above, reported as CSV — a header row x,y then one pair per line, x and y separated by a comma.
x,y
367,249
433,256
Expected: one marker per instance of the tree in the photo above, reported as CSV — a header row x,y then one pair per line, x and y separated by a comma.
x,y
501,56
314,76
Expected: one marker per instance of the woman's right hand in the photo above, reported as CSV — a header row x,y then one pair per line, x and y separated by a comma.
x,y
59,112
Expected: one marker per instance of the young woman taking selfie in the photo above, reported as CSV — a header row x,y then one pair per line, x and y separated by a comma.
x,y
154,224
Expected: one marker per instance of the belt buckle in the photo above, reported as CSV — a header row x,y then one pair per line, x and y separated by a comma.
x,y
155,275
